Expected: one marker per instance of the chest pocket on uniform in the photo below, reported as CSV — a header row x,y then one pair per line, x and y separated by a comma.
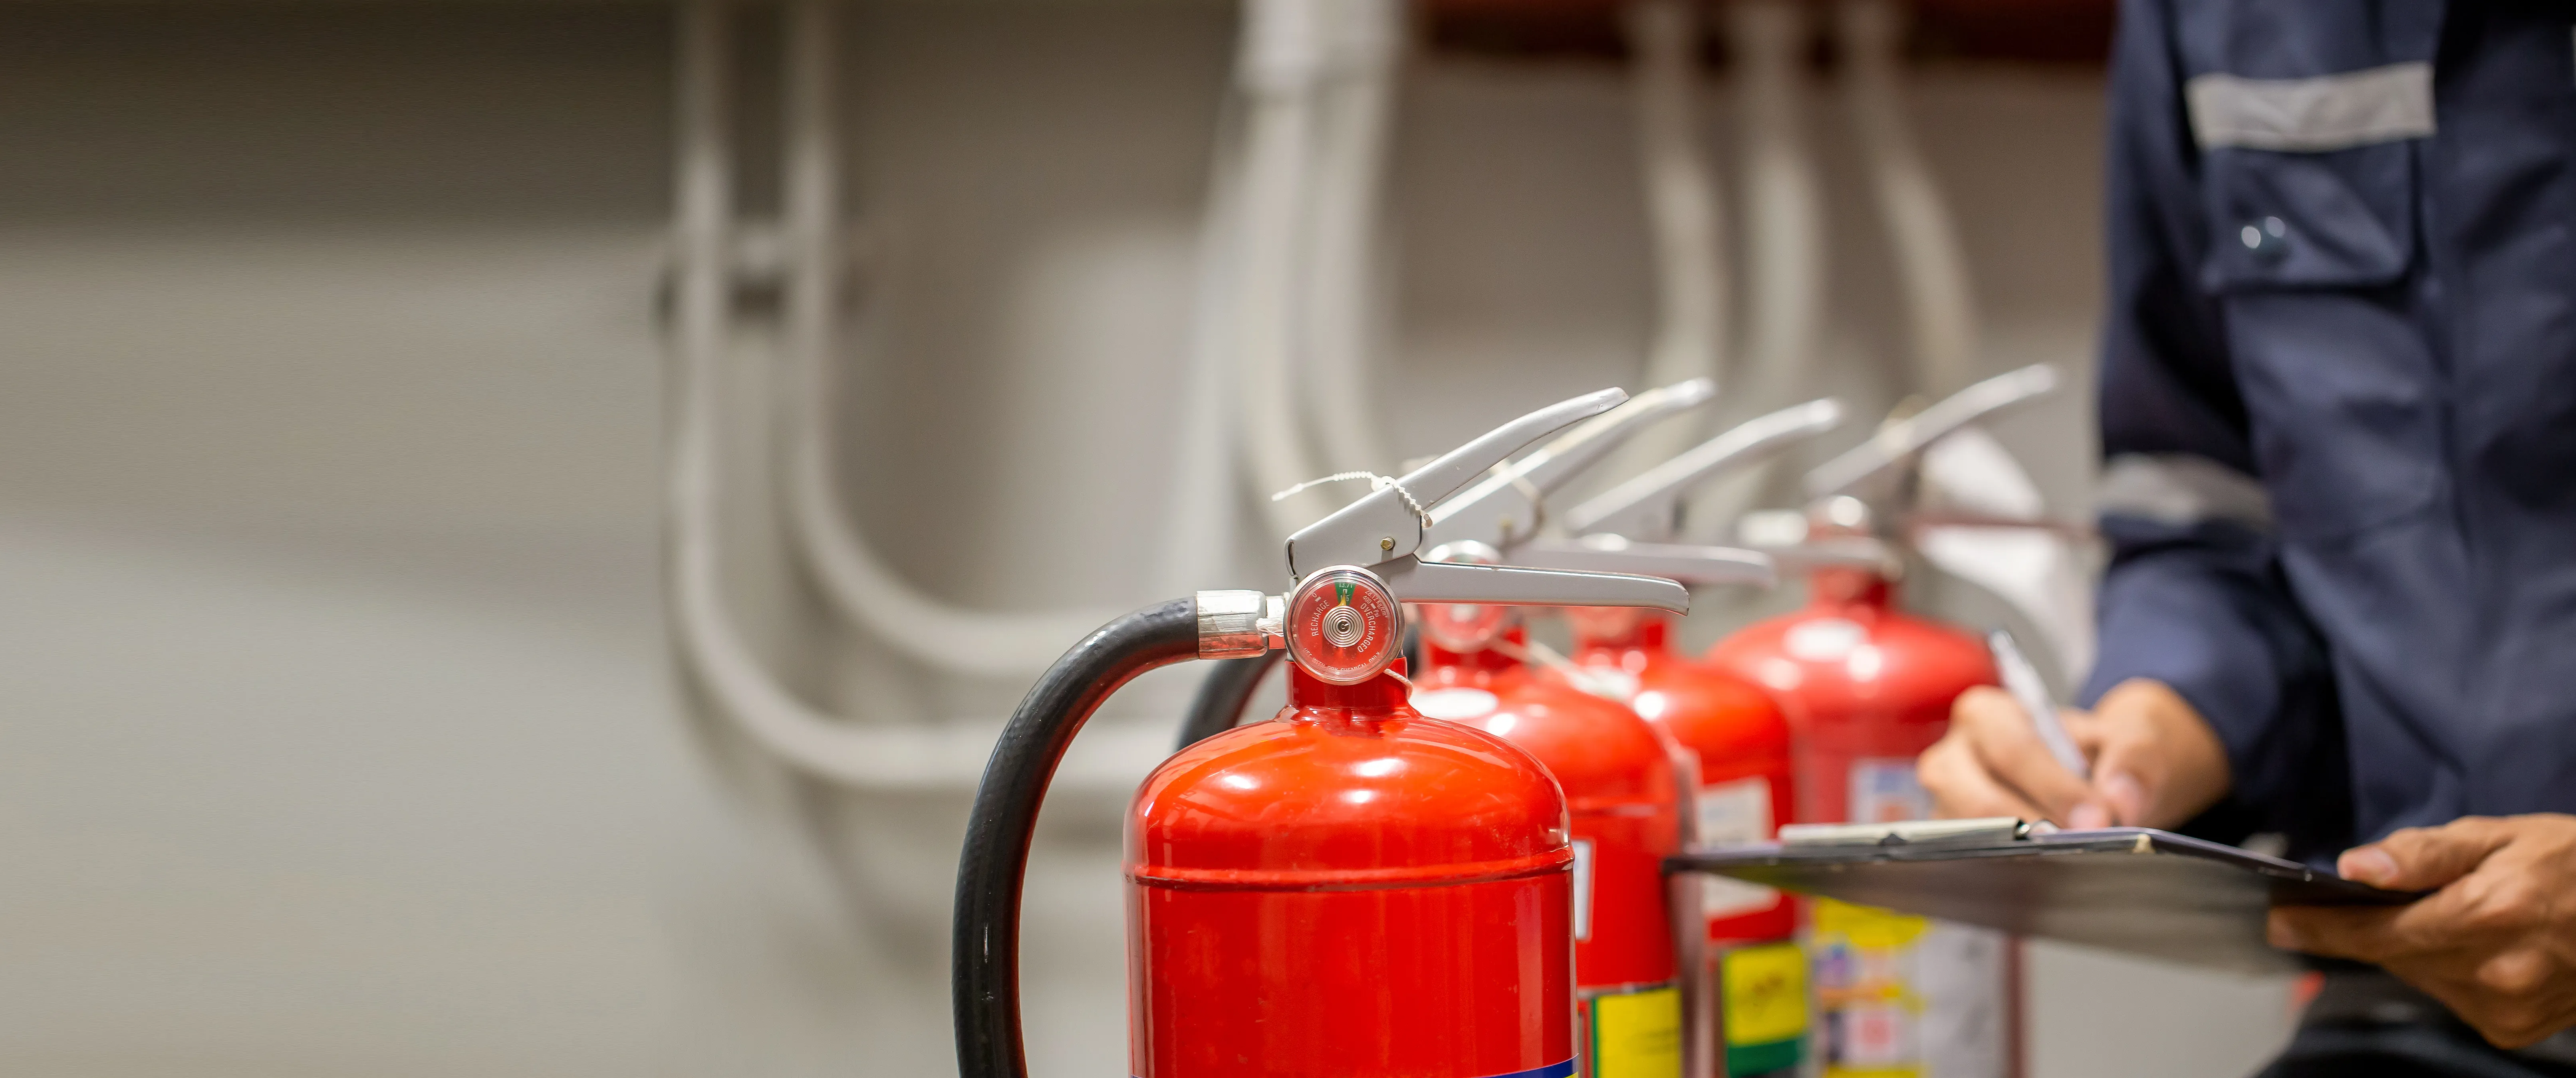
x,y
2313,241
2306,113
2286,219
2329,353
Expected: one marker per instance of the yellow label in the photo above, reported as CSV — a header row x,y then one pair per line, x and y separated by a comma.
x,y
1865,981
1637,1034
1765,993
1867,926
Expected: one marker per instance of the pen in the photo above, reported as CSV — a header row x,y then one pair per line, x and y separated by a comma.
x,y
2022,680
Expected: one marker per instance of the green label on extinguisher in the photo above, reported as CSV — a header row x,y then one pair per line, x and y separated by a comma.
x,y
1762,1007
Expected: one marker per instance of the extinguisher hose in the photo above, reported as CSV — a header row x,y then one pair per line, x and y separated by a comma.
x,y
1223,696
984,982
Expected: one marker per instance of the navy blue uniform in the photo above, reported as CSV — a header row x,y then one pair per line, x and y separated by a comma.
x,y
2339,402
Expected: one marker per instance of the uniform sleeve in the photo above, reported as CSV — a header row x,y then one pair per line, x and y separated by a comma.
x,y
2194,595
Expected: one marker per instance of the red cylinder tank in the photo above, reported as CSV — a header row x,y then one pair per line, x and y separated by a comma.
x,y
1620,785
1752,981
1868,688
1350,888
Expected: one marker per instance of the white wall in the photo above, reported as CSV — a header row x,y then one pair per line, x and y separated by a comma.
x,y
339,732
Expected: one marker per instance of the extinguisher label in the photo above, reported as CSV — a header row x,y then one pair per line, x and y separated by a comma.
x,y
1869,987
1967,997
1582,889
1906,996
1634,1034
1762,1007
1885,791
1734,813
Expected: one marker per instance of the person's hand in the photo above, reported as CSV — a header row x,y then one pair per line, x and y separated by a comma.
x,y
2155,761
2496,942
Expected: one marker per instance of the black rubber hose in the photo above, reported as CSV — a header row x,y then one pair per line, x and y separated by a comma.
x,y
984,981
1222,697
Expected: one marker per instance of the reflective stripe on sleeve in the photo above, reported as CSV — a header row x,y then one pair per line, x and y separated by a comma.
x,y
2178,488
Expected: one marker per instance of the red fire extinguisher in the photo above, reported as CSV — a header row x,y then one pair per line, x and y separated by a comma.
x,y
1349,886
1750,1005
1352,888
1868,688
1625,798
1751,1011
1616,772
1872,688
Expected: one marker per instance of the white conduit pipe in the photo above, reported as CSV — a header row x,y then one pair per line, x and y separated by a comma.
x,y
861,586
1199,540
1932,268
710,645
1278,70
1784,220
1683,219
1363,42
1784,228
2042,575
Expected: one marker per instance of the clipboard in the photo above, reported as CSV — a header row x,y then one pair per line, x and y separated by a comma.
x,y
2134,890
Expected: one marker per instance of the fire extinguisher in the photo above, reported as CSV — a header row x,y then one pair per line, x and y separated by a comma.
x,y
1475,671
1626,778
1351,888
1615,770
1625,797
1868,688
1750,1009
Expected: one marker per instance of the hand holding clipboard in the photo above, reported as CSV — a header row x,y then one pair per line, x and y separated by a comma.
x,y
2130,889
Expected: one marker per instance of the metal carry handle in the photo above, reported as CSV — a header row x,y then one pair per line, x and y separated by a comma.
x,y
1898,443
1383,531
1645,507
1697,566
1388,522
1416,581
1505,508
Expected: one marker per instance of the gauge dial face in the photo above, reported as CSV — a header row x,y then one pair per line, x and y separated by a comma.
x,y
1343,625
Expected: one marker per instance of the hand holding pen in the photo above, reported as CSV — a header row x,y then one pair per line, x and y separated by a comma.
x,y
2142,756
2022,680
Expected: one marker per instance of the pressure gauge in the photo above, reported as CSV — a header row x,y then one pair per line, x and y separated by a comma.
x,y
1343,625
